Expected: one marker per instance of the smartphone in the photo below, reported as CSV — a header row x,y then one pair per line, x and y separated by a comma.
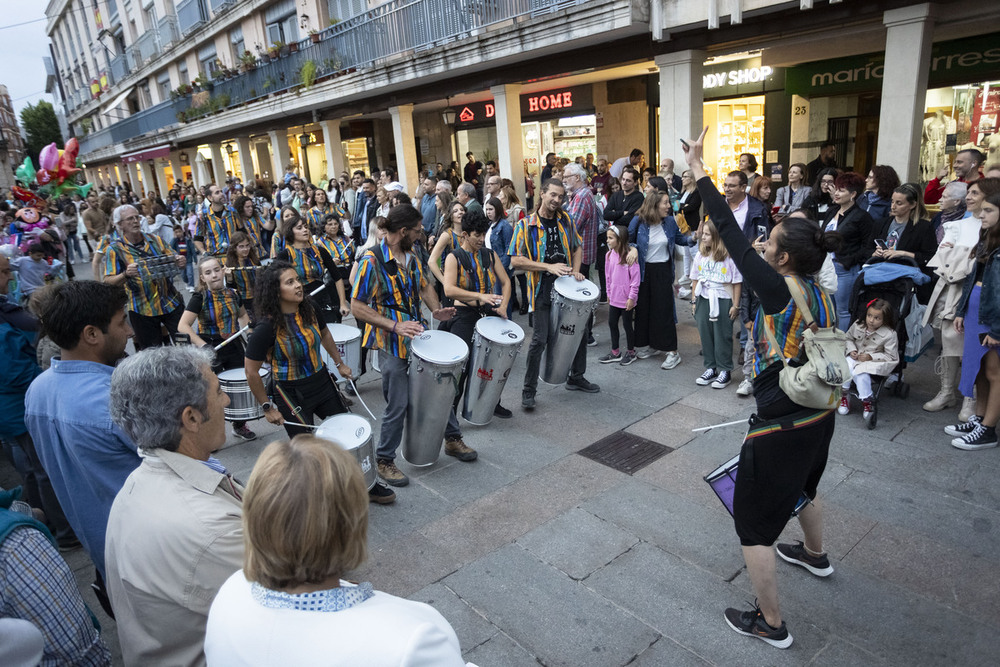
x,y
685,144
881,244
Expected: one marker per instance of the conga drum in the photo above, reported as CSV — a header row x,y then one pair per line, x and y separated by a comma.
x,y
242,404
573,301
348,341
495,344
353,434
437,359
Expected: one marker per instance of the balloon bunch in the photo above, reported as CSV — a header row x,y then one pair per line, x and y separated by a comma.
x,y
54,176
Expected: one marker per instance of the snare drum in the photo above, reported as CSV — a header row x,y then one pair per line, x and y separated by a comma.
x,y
573,301
495,345
353,434
348,341
437,359
242,404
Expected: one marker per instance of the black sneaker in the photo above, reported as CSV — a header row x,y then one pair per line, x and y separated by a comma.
x,y
381,494
981,437
610,358
706,378
963,427
502,412
722,380
581,384
245,433
528,400
752,624
796,554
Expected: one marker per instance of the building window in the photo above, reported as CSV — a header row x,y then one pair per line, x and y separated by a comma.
x,y
182,72
282,23
206,59
163,85
345,9
236,39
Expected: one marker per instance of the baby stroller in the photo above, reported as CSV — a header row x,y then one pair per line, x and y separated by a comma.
x,y
899,293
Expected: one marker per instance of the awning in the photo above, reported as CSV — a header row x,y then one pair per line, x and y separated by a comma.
x,y
148,154
117,100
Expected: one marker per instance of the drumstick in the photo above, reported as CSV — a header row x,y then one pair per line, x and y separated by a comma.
x,y
318,290
304,425
708,428
358,394
231,338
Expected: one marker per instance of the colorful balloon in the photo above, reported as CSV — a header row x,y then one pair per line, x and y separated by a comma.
x,y
48,158
67,161
25,172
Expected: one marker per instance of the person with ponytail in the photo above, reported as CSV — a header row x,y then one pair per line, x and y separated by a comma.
x,y
785,450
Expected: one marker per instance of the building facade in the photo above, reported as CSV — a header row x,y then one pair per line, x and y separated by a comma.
x,y
164,90
11,141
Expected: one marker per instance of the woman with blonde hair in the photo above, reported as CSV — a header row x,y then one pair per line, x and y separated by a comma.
x,y
515,213
305,522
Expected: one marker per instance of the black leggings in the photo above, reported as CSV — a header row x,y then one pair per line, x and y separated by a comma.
x,y
299,400
147,328
614,314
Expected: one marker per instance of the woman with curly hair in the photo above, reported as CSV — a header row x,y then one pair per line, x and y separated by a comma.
x,y
881,181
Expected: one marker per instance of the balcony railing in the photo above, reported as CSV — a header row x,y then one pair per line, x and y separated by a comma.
x,y
190,15
144,49
168,31
119,68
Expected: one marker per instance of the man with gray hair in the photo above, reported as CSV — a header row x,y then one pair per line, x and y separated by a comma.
x,y
175,531
466,195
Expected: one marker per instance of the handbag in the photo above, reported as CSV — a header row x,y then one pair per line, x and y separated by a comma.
x,y
813,379
682,223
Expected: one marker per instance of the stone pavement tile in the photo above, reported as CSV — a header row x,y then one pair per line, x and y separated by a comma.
x,y
581,419
841,653
470,626
521,455
240,458
668,652
693,532
500,650
686,603
556,619
405,565
464,482
577,542
979,486
416,506
947,573
843,529
911,507
897,625
672,425
724,402
501,517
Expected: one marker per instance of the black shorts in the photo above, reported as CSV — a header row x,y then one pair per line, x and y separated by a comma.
x,y
781,459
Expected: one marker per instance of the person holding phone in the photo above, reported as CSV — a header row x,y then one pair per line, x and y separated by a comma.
x,y
908,233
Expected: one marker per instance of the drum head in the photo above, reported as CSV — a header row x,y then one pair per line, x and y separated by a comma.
x,y
234,375
343,333
439,347
576,290
347,431
499,330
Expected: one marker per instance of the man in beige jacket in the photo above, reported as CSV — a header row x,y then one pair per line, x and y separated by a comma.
x,y
175,530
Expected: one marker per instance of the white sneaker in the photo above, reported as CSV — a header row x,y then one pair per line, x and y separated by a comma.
x,y
684,293
645,352
673,360
745,388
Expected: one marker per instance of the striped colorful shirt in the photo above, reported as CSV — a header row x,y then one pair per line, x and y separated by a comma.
x,y
253,228
341,249
242,280
530,241
147,296
307,262
315,215
218,312
106,240
394,292
292,347
480,279
216,229
789,325
277,244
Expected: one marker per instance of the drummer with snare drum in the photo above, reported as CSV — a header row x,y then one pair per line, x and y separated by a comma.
x,y
472,276
387,292
290,332
546,246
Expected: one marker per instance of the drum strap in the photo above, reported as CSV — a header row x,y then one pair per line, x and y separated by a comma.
x,y
409,307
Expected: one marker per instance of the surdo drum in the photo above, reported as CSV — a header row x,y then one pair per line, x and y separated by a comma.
x,y
573,301
353,434
437,359
242,404
495,345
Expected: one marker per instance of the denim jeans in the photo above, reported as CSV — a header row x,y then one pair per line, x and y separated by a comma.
x,y
845,285
396,391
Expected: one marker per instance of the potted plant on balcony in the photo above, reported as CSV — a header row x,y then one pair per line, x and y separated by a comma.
x,y
293,47
314,36
307,73
279,49
248,61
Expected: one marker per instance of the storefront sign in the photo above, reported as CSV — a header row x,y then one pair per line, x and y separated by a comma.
x,y
739,77
561,102
957,61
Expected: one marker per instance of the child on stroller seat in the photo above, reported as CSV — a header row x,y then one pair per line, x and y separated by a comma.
x,y
872,349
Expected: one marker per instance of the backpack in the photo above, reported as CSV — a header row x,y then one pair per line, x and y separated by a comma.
x,y
814,378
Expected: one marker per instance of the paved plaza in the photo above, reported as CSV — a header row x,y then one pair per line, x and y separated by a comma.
x,y
538,555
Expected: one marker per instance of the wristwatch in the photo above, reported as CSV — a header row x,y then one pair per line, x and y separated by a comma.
x,y
267,406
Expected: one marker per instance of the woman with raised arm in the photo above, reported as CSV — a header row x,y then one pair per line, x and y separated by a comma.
x,y
785,450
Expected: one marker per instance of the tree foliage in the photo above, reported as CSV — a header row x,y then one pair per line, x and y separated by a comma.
x,y
41,128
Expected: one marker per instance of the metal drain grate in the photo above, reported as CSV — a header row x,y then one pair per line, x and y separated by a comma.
x,y
625,452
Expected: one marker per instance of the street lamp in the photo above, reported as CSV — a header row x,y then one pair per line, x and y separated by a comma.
x,y
448,115
304,142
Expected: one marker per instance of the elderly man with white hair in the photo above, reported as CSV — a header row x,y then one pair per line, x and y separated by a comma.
x,y
175,530
133,260
466,195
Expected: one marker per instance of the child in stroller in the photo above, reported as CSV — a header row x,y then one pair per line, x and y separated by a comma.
x,y
872,349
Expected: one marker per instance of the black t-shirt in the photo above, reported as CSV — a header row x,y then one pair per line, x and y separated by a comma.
x,y
553,248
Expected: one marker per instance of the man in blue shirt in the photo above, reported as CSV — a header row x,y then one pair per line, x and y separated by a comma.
x,y
364,211
428,206
86,456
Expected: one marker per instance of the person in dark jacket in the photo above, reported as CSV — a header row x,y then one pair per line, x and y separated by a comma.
x,y
881,181
624,204
856,229
908,233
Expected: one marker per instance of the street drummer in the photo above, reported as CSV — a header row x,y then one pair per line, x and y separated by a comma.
x,y
218,225
546,246
153,300
219,313
390,284
473,276
290,333
242,263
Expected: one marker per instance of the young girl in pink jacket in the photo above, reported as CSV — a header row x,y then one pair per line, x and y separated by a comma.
x,y
623,289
